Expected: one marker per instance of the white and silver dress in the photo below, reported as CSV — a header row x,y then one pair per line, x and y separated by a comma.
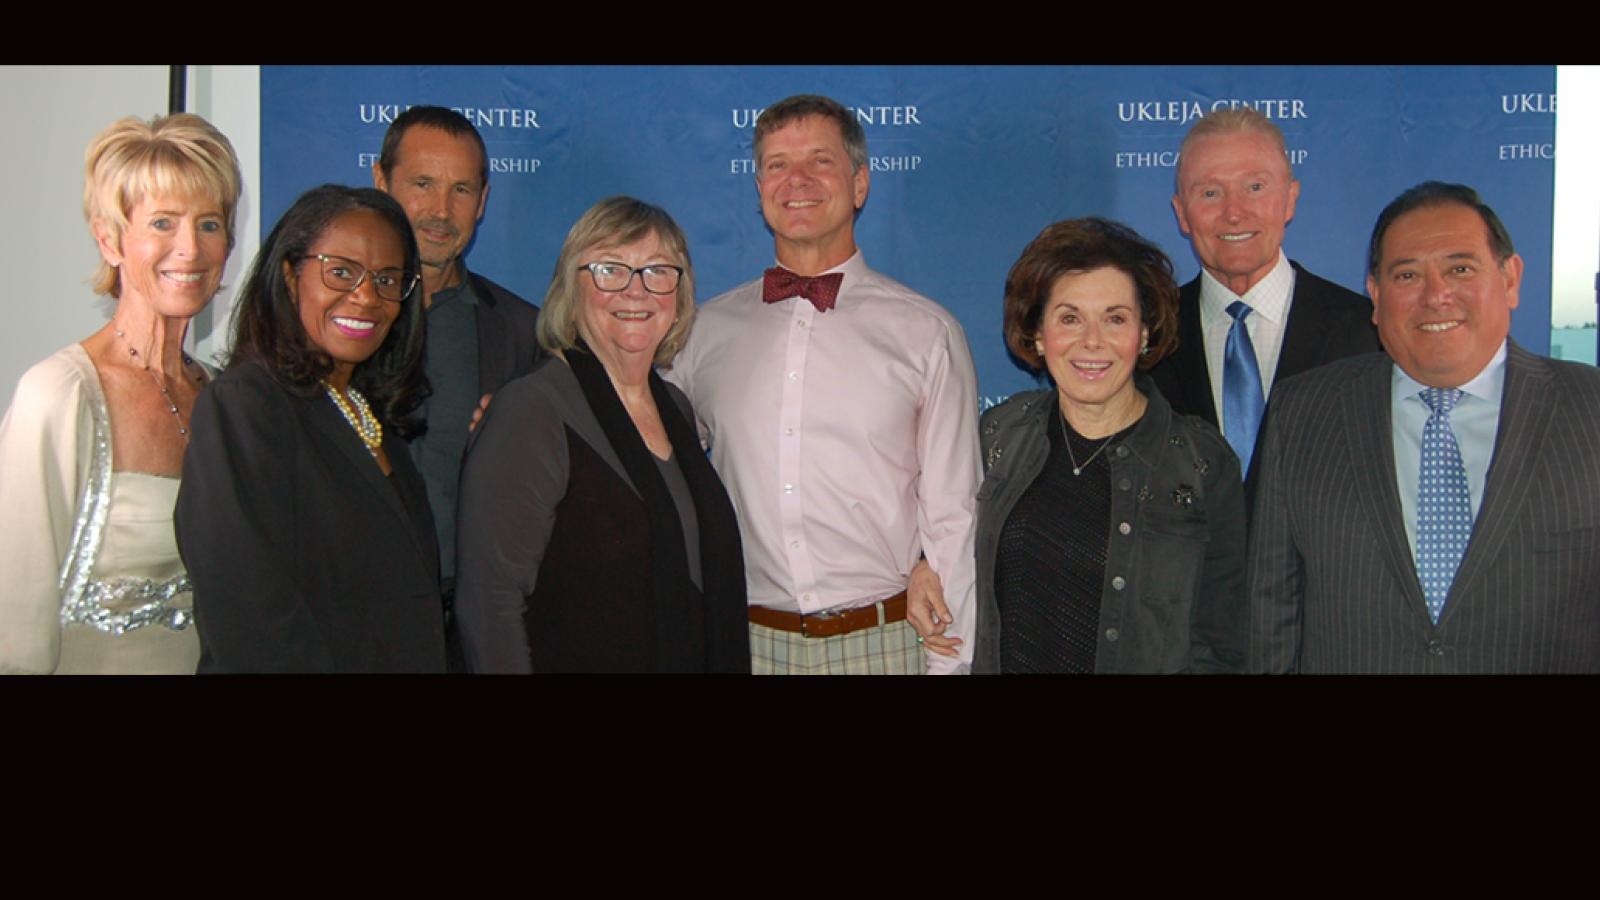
x,y
92,581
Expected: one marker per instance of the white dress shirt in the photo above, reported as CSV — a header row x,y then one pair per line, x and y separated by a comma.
x,y
1269,300
848,441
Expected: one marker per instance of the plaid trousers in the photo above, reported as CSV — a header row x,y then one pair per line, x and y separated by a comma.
x,y
885,650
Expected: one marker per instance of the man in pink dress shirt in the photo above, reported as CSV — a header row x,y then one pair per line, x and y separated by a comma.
x,y
840,408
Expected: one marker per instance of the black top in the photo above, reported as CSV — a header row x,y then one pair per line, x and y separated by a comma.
x,y
451,365
1051,562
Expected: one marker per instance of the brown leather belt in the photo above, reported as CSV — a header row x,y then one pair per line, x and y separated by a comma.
x,y
832,623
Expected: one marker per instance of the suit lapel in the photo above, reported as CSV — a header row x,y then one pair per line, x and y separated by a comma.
x,y
330,421
1306,330
1526,413
1368,419
1194,376
494,348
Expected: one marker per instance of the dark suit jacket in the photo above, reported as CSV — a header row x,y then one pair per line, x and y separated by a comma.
x,y
508,342
1333,586
304,557
1326,323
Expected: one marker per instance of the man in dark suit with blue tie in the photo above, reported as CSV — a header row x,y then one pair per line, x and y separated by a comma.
x,y
1252,318
1436,509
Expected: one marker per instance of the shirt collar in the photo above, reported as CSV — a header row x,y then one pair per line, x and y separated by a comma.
x,y
1269,298
462,292
1486,386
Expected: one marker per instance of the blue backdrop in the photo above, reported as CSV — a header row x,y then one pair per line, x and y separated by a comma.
x,y
969,163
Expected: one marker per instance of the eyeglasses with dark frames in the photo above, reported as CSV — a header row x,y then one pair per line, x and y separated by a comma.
x,y
343,274
613,277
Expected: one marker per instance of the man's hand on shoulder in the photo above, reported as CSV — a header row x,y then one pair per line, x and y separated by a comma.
x,y
477,414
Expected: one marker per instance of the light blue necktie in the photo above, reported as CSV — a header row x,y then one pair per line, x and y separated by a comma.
x,y
1444,507
1242,400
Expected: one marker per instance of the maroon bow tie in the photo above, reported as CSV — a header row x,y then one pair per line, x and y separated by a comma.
x,y
781,284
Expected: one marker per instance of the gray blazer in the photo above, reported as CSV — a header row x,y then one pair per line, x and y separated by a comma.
x,y
1173,596
1332,582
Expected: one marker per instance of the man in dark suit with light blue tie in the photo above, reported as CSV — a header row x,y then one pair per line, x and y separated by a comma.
x,y
1252,318
1439,512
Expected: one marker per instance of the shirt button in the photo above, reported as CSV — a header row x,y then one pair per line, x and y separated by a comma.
x,y
1122,451
1125,528
788,489
1119,583
1112,635
788,432
800,324
806,597
1124,484
794,545
794,376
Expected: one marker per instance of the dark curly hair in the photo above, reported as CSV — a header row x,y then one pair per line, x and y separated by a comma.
x,y
1083,245
266,321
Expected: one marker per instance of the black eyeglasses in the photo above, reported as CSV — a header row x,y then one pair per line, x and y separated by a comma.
x,y
340,273
614,277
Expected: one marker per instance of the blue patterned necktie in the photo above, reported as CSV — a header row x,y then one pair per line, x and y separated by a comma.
x,y
1242,400
1444,507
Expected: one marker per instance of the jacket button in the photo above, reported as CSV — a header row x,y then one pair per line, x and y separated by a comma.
x,y
1436,648
1125,528
1124,484
1118,583
1111,634
1122,451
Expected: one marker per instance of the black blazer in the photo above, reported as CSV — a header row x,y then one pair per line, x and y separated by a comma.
x,y
508,335
304,557
1326,323
1333,586
554,570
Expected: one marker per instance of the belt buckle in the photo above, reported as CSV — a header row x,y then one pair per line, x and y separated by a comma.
x,y
823,616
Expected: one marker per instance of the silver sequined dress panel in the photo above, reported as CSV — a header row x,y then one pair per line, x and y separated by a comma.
x,y
126,604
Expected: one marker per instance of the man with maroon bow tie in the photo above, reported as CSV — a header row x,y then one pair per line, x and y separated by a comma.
x,y
840,408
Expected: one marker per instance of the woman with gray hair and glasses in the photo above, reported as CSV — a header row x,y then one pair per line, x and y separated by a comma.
x,y
593,534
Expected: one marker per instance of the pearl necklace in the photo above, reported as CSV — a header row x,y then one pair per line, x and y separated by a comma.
x,y
166,395
361,418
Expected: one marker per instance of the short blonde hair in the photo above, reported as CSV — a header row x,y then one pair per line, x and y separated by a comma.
x,y
1242,120
180,156
615,222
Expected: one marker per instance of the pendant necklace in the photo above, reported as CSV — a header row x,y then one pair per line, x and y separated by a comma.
x,y
166,395
1066,435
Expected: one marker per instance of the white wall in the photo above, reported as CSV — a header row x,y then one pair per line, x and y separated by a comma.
x,y
1576,247
46,252
230,98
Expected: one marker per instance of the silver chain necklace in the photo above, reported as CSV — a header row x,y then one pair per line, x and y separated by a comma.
x,y
1066,435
